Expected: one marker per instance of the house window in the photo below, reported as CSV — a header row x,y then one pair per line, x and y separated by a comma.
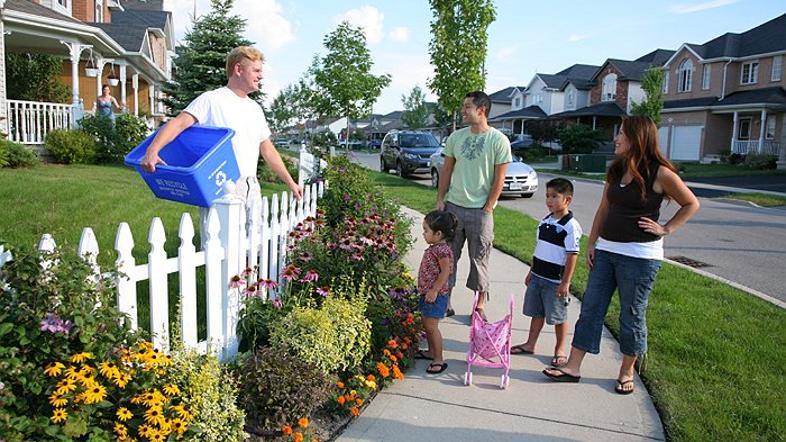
x,y
777,67
705,76
750,73
63,3
770,132
99,11
666,82
517,102
609,92
571,98
685,73
744,132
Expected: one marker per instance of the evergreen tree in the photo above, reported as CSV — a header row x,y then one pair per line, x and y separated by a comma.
x,y
200,64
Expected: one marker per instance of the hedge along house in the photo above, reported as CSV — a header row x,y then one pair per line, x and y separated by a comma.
x,y
727,96
127,44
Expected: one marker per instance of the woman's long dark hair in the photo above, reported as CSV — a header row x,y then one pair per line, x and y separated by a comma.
x,y
642,133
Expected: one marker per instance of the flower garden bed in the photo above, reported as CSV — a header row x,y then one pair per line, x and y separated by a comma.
x,y
312,358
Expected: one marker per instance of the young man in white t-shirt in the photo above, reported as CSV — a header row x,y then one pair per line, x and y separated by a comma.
x,y
231,107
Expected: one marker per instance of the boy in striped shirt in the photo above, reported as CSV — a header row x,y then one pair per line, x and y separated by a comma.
x,y
548,281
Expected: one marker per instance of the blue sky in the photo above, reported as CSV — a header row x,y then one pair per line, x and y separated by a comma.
x,y
527,36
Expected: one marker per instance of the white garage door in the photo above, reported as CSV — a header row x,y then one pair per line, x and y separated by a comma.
x,y
663,133
685,142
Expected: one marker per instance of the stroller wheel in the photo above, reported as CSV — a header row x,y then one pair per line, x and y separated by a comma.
x,y
504,381
468,378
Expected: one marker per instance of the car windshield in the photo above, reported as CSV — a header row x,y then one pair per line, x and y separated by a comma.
x,y
418,140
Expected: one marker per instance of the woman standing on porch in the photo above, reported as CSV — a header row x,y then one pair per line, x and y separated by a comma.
x,y
105,102
625,247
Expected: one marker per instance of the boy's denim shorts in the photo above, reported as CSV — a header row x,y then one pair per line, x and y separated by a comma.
x,y
541,301
436,309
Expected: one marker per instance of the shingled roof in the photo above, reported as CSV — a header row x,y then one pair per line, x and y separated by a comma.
x,y
763,39
773,96
34,8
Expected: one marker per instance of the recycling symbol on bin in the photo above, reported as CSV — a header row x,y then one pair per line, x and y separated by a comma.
x,y
221,178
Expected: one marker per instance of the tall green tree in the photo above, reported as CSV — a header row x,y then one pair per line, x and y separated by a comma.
x,y
652,84
458,48
416,111
344,84
35,77
200,64
283,110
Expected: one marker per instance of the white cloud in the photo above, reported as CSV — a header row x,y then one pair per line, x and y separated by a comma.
x,y
505,54
367,17
696,7
399,34
577,37
266,26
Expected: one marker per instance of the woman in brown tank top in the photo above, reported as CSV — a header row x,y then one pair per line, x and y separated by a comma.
x,y
625,247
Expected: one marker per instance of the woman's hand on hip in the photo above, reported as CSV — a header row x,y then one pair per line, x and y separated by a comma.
x,y
590,256
653,227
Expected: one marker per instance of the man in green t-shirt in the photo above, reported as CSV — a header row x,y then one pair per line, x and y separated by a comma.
x,y
476,160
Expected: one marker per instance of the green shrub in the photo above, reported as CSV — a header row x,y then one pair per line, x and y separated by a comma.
x,y
277,388
310,334
579,138
760,161
210,393
71,146
353,330
266,175
15,155
114,140
49,315
255,320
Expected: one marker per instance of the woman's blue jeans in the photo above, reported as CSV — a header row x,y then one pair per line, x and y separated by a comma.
x,y
633,278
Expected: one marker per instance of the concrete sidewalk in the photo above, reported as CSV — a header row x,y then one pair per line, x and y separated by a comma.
x,y
440,408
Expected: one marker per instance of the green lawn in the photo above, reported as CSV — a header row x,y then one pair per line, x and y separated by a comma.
x,y
716,368
762,199
696,170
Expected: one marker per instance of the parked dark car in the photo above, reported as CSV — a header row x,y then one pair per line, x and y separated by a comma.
x,y
407,151
374,144
524,141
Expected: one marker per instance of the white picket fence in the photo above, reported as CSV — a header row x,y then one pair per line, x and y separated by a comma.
x,y
228,250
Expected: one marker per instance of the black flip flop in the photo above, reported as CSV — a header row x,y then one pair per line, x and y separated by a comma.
x,y
520,350
620,384
564,377
441,366
420,354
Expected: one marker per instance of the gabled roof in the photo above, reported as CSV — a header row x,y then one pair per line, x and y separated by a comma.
x,y
605,109
527,112
553,81
629,70
395,115
503,96
658,57
141,17
130,37
34,8
150,5
773,96
580,75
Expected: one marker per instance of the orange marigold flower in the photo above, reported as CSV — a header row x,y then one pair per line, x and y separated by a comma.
x,y
392,343
371,377
298,437
340,384
340,400
302,422
286,429
397,373
383,369
354,410
359,401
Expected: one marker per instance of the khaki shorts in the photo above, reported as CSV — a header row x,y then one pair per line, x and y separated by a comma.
x,y
476,228
248,189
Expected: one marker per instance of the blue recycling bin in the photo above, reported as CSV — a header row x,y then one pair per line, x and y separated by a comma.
x,y
199,161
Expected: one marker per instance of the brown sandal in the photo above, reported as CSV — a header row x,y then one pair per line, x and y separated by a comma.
x,y
620,387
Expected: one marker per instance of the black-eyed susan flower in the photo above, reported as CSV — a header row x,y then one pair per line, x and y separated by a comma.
x,y
58,400
65,386
108,369
81,357
178,426
171,390
59,415
121,430
72,372
124,414
144,430
54,369
95,394
154,416
121,380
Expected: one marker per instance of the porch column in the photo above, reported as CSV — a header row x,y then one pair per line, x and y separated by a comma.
x,y
762,129
151,94
135,85
100,63
3,97
75,51
521,128
735,130
123,87
594,120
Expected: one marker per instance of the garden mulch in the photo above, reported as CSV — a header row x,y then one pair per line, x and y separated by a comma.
x,y
440,407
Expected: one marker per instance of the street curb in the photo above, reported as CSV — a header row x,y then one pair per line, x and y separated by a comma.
x,y
754,292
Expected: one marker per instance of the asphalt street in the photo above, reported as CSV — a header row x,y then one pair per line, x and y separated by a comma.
x,y
731,239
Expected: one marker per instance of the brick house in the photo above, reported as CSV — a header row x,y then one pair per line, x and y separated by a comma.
x,y
127,44
727,96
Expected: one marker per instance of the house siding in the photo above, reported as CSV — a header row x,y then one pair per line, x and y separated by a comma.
x,y
716,78
158,46
686,119
534,89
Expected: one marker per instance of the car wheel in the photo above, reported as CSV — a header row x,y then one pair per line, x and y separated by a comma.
x,y
400,170
434,178
527,195
382,166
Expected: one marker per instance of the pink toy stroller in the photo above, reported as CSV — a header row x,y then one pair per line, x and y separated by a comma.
x,y
489,342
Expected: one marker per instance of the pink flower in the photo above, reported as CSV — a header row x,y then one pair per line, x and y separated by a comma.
x,y
310,276
267,284
247,272
236,282
290,273
250,291
323,291
357,257
277,303
306,257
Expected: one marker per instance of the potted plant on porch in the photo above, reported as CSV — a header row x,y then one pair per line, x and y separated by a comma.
x,y
113,79
90,68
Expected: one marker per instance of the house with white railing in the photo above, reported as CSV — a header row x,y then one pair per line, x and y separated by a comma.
x,y
126,44
727,95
